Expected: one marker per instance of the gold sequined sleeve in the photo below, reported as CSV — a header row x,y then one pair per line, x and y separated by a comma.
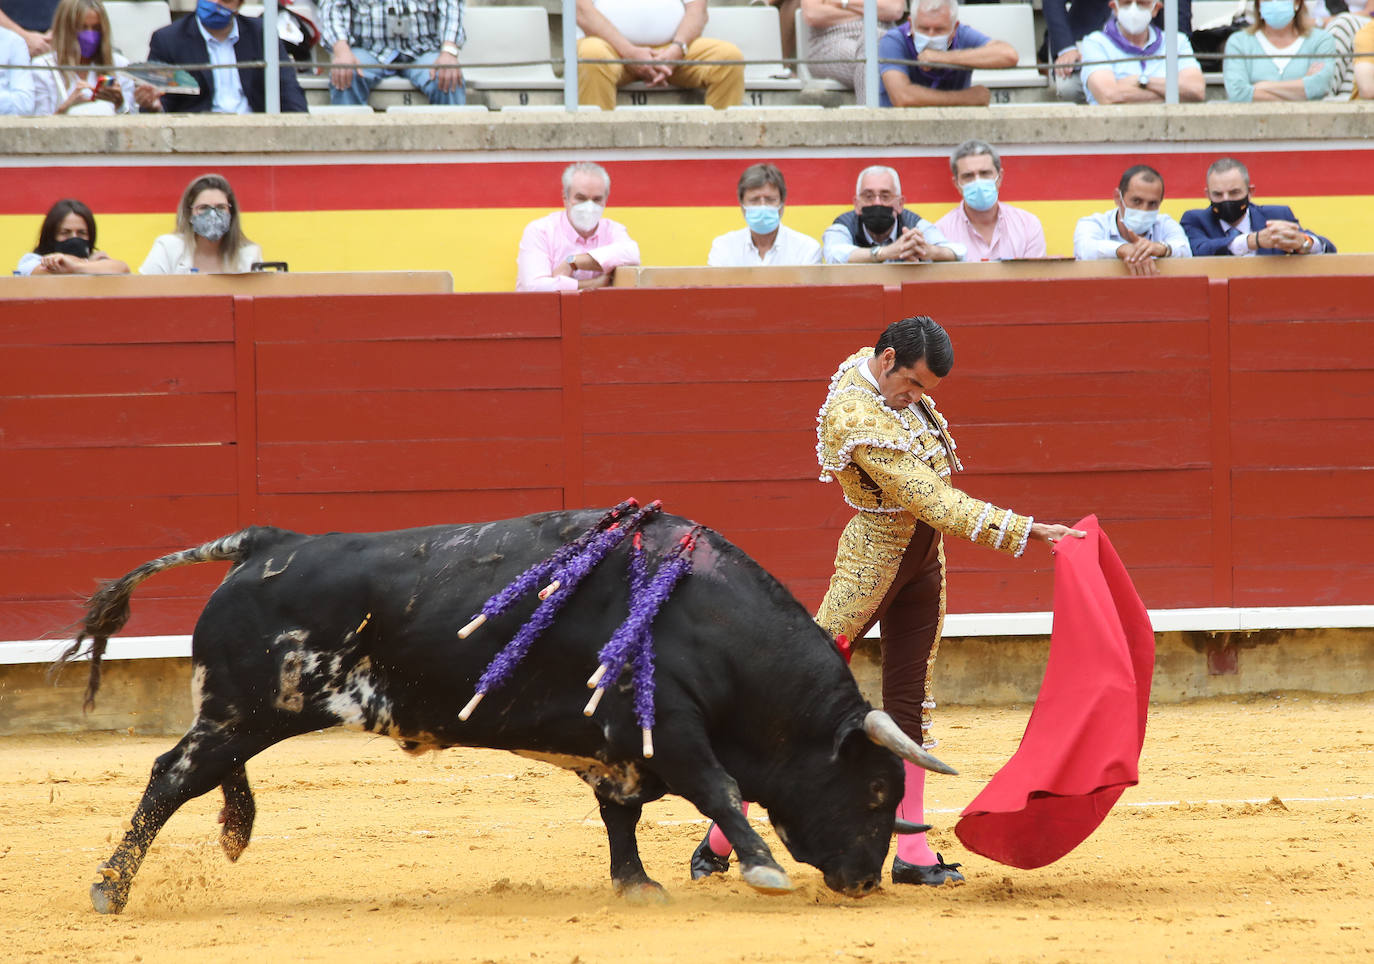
x,y
908,482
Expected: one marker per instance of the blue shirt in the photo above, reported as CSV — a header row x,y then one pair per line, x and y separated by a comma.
x,y
896,44
1098,47
1097,236
229,97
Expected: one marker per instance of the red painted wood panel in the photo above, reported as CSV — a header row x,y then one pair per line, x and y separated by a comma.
x,y
648,409
1085,446
710,456
969,396
1306,541
62,474
1331,443
397,415
119,321
113,523
117,420
1291,585
477,463
58,620
786,311
1055,303
74,573
1257,395
406,365
1322,346
380,511
1309,299
1294,493
403,317
116,369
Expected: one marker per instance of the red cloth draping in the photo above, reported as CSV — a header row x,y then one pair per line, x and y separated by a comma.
x,y
1081,748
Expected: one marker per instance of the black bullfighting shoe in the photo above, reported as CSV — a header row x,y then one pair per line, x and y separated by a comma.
x,y
706,861
931,874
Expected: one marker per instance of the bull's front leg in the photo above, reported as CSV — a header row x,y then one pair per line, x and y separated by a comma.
x,y
627,870
237,815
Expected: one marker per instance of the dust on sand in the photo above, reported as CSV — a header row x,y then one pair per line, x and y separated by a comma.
x,y
1248,838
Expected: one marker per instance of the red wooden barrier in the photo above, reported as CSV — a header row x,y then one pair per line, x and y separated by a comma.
x,y
1220,429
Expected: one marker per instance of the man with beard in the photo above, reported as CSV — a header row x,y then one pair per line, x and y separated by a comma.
x,y
879,229
1233,225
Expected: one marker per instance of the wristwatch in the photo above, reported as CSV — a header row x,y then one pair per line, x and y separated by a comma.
x,y
1144,81
680,46
572,261
1307,245
449,47
844,4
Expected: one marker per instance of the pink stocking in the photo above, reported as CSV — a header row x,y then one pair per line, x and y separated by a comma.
x,y
720,846
912,847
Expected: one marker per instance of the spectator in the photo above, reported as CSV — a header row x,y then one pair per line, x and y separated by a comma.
x,y
1067,22
417,38
1292,59
80,35
66,245
657,31
1135,231
32,20
991,230
879,229
575,248
837,33
1364,62
766,240
209,238
217,34
1233,225
1112,75
934,35
16,83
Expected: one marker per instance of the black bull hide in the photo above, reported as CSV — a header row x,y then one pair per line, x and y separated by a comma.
x,y
753,702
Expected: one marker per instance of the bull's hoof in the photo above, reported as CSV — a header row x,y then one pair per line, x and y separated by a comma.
x,y
645,892
109,896
236,831
767,880
234,844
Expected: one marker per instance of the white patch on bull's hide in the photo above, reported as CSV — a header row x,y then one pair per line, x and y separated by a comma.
x,y
620,781
352,699
197,689
268,572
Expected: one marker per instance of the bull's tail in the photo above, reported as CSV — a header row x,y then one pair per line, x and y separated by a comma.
x,y
108,608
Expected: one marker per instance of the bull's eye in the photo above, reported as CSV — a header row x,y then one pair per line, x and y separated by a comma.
x,y
877,794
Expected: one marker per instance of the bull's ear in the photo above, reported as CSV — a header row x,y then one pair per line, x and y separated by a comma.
x,y
849,736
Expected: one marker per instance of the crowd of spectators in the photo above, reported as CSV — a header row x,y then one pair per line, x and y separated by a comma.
x,y
1096,51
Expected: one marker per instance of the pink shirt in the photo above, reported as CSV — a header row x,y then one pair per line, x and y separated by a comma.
x,y
549,240
1018,234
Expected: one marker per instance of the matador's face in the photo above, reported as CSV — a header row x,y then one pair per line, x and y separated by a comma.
x,y
902,387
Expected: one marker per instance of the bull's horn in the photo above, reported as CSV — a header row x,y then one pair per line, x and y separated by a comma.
x,y
884,731
901,826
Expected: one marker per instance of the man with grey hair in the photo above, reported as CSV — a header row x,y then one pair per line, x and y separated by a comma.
x,y
945,52
989,228
879,229
765,240
575,248
1233,225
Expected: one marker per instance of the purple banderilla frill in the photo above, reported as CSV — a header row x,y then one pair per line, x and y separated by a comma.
x,y
567,577
634,640
536,574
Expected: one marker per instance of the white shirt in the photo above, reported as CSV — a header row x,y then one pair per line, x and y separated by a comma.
x,y
16,86
52,87
170,255
229,97
1280,55
649,23
735,249
1097,236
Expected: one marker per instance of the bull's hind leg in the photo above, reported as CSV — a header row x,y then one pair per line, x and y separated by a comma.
x,y
237,815
627,870
204,758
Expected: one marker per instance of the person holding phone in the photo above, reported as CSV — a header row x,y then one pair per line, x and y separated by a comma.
x,y
209,238
81,37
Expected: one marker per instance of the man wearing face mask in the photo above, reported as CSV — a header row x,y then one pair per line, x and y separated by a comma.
x,y
765,239
216,34
575,248
1135,231
945,52
879,229
991,230
1123,63
1067,22
1236,226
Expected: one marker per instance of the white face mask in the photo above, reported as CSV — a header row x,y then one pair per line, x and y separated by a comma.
x,y
586,215
1134,18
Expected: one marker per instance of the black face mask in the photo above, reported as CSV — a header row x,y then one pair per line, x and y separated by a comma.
x,y
76,247
1229,212
878,218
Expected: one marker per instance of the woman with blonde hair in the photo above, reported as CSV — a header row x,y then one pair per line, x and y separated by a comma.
x,y
1282,56
209,238
80,37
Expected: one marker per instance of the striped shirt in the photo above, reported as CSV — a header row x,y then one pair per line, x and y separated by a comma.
x,y
406,27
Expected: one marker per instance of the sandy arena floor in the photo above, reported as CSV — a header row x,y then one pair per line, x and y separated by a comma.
x,y
1249,838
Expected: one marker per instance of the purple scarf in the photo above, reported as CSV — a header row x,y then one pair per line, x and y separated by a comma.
x,y
1114,34
936,78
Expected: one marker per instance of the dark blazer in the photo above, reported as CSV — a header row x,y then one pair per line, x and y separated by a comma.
x,y
1208,236
180,42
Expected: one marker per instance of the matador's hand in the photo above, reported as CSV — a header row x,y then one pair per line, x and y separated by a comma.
x,y
1053,533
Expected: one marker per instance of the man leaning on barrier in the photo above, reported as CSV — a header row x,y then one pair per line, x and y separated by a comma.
x,y
989,228
946,52
1123,63
1235,225
575,248
1135,231
658,31
881,229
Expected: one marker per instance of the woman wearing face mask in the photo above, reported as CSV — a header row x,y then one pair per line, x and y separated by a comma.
x,y
80,37
1292,59
66,245
208,239
837,33
765,239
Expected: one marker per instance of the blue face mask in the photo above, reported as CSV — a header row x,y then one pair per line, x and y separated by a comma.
x,y
981,194
1139,221
212,15
1277,13
762,219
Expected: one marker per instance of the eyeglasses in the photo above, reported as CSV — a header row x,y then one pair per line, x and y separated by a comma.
x,y
881,197
202,208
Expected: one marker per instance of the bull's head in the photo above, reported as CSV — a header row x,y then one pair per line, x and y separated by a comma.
x,y
845,826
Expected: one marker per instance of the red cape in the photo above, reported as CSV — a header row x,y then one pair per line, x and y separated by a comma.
x,y
1081,748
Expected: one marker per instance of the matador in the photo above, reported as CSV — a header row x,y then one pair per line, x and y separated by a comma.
x,y
880,436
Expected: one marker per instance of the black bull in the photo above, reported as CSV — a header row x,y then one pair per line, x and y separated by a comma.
x,y
753,702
